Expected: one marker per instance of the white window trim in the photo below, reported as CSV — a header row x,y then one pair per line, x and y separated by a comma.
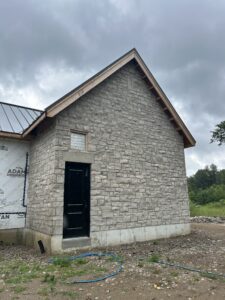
x,y
85,134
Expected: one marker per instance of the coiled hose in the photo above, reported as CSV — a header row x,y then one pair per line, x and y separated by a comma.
x,y
120,266
91,254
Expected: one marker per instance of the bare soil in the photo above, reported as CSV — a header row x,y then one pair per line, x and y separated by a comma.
x,y
203,249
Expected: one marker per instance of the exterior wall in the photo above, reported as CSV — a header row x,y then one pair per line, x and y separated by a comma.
x,y
138,177
12,167
42,206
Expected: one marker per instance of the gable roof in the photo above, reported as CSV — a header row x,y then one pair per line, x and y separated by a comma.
x,y
88,85
15,119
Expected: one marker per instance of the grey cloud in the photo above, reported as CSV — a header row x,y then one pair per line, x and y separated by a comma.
x,y
181,41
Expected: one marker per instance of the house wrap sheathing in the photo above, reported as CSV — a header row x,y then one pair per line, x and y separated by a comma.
x,y
103,165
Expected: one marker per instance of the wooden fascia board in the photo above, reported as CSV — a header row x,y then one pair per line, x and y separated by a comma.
x,y
165,100
89,85
11,135
34,125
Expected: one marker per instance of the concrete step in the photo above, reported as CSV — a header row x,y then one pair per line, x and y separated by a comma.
x,y
76,242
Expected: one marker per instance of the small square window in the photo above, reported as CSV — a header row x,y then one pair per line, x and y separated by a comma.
x,y
78,141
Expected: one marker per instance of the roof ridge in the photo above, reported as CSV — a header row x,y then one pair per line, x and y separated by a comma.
x,y
133,50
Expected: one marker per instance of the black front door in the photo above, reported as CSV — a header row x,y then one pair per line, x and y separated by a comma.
x,y
76,200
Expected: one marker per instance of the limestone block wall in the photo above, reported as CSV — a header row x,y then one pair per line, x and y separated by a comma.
x,y
41,206
138,176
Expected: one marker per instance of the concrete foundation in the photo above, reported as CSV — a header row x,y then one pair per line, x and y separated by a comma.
x,y
11,236
31,238
56,244
141,234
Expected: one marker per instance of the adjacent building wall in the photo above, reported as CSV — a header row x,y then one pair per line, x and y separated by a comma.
x,y
12,177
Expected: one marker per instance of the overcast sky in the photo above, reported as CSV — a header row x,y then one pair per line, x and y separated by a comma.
x,y
49,47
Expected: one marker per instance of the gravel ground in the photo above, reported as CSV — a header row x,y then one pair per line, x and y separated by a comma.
x,y
203,219
204,249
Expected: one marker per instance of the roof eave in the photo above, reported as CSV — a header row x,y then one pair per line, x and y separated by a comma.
x,y
34,124
188,143
11,135
189,140
88,85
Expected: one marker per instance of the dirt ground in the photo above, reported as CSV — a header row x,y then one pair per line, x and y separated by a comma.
x,y
141,278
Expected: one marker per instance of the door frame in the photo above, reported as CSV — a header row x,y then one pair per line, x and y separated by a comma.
x,y
88,200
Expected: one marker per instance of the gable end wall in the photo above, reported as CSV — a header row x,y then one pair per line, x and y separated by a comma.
x,y
138,176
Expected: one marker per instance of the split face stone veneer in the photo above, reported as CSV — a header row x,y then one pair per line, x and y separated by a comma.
x,y
128,182
138,178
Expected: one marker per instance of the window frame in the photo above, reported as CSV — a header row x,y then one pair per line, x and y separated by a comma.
x,y
79,132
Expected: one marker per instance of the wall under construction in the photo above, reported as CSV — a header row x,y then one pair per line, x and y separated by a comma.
x,y
13,183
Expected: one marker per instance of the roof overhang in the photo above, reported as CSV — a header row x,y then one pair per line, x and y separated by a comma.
x,y
61,104
11,135
34,124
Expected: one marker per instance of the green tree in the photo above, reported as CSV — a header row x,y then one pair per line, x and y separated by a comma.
x,y
213,173
213,193
207,185
221,177
203,178
218,134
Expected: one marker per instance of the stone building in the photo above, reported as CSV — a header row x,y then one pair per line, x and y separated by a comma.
x,y
106,163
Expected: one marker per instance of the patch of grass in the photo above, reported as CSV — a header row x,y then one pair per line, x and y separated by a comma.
x,y
115,258
19,272
196,278
213,209
45,291
208,275
71,272
174,273
18,289
153,258
87,270
80,261
14,280
110,258
118,258
49,278
140,264
62,262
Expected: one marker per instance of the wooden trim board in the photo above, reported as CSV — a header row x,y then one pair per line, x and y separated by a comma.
x,y
88,85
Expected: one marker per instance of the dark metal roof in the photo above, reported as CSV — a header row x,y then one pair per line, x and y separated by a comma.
x,y
15,118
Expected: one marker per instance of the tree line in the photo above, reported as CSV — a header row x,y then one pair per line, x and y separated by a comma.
x,y
207,185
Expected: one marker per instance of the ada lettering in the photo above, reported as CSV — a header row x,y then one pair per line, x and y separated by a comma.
x,y
18,171
5,216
